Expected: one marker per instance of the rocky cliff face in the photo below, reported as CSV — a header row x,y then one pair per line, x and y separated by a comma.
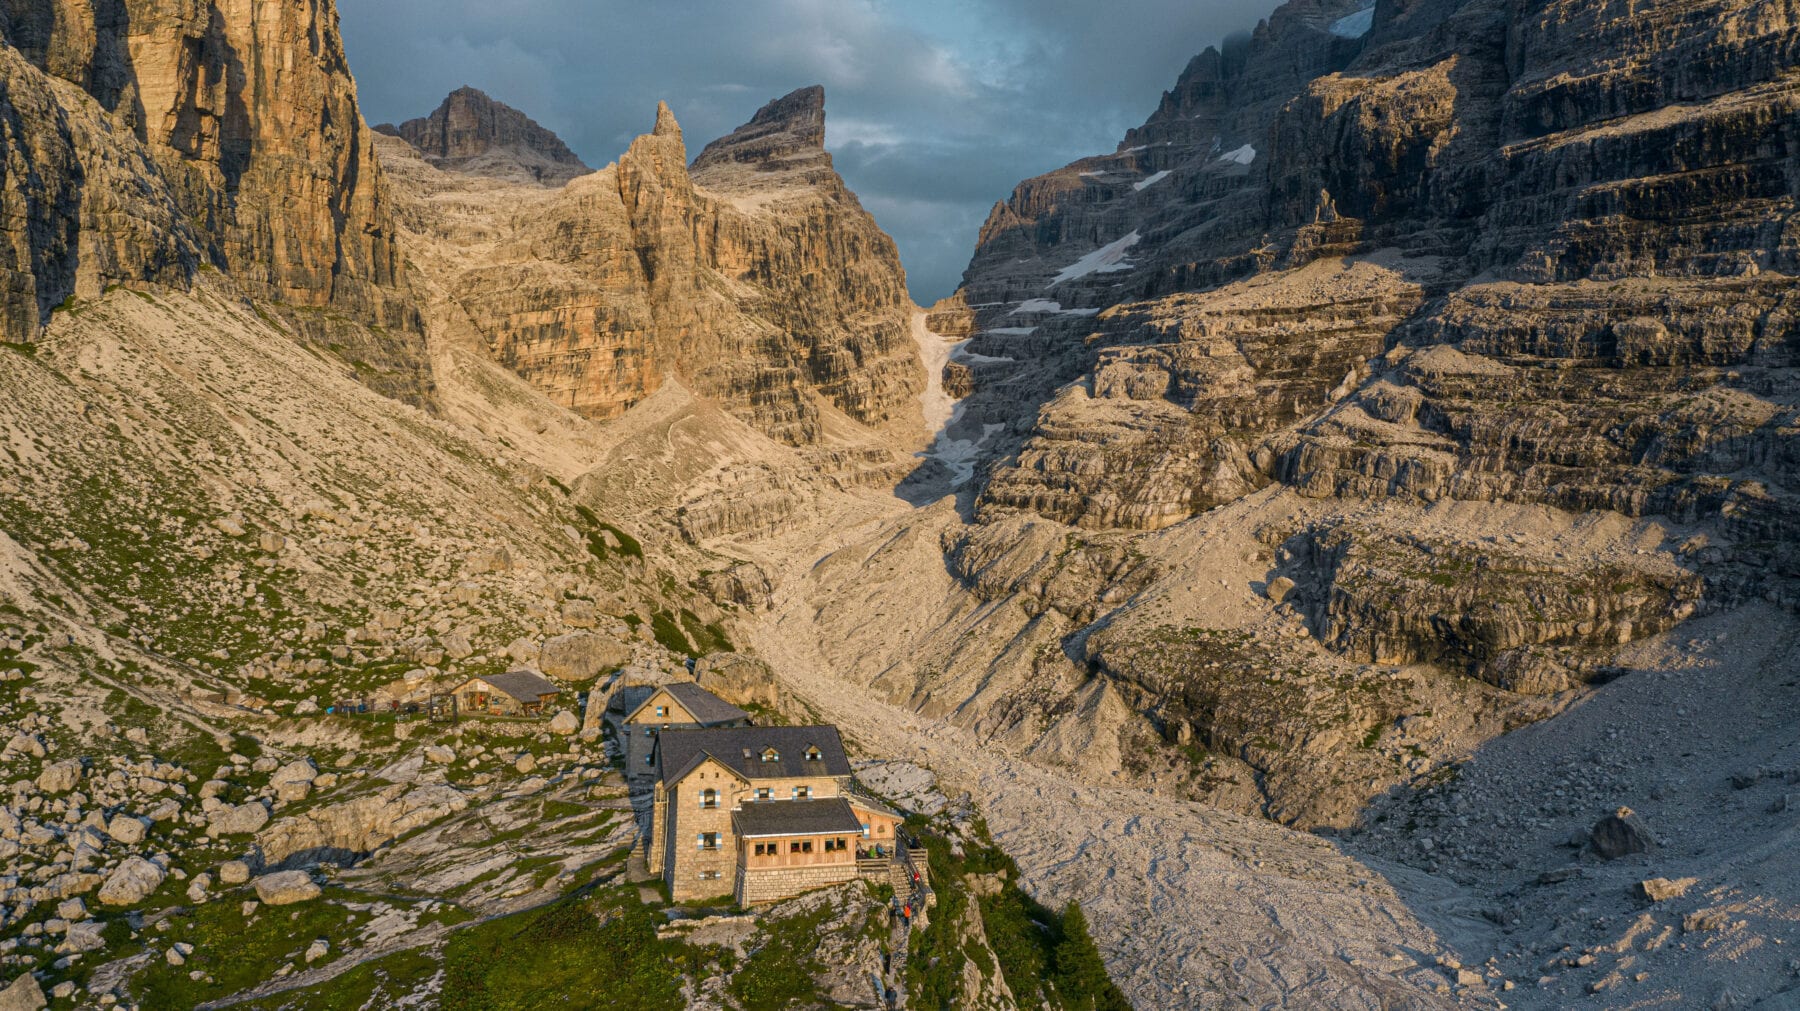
x,y
472,132
151,142
756,279
1408,351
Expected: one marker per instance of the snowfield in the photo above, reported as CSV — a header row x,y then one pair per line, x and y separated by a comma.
x,y
1151,181
1354,26
1107,259
1242,156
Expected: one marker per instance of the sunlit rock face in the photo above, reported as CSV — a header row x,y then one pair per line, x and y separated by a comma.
x,y
755,278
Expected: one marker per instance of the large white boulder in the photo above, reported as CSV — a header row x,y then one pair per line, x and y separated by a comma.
x,y
243,818
284,888
132,882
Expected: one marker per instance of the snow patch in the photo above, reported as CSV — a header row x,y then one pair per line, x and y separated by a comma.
x,y
1354,26
1107,259
937,404
1012,331
960,353
1151,181
1045,305
960,455
1242,156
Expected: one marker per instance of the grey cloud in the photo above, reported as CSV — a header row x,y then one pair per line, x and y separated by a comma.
x,y
935,108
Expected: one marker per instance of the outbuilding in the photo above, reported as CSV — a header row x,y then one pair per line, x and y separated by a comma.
x,y
515,693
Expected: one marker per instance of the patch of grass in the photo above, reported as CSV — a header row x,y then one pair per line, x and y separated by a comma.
x,y
601,949
1046,958
236,952
380,983
769,980
669,634
707,638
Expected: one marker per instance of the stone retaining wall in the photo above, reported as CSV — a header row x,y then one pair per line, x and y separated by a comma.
x,y
777,883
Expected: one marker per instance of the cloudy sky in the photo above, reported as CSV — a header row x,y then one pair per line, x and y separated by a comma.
x,y
934,108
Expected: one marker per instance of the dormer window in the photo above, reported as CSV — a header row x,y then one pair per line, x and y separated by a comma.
x,y
765,793
814,754
802,793
771,755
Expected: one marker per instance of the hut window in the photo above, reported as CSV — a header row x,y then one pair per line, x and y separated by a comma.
x,y
802,793
662,710
709,875
865,830
709,798
765,793
707,841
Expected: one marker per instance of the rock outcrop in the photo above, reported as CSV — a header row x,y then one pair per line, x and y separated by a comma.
x,y
471,132
354,828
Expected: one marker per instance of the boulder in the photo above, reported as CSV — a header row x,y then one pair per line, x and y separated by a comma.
x,y
1620,834
456,646
197,890
1278,589
284,888
582,656
89,935
526,764
291,792
565,723
132,882
439,754
524,651
234,872
23,994
577,613
317,950
244,818
299,771
738,679
1663,889
127,829
59,777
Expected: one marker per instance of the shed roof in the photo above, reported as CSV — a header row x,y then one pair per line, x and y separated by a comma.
x,y
706,708
740,749
795,817
524,685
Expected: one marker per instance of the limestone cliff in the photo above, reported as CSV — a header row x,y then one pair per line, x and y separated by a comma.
x,y
755,278
151,141
1444,346
472,132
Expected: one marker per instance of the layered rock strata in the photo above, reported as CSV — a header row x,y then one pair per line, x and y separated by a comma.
x,y
474,133
756,279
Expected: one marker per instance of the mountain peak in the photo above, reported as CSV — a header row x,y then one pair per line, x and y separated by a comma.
x,y
469,125
665,122
789,129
